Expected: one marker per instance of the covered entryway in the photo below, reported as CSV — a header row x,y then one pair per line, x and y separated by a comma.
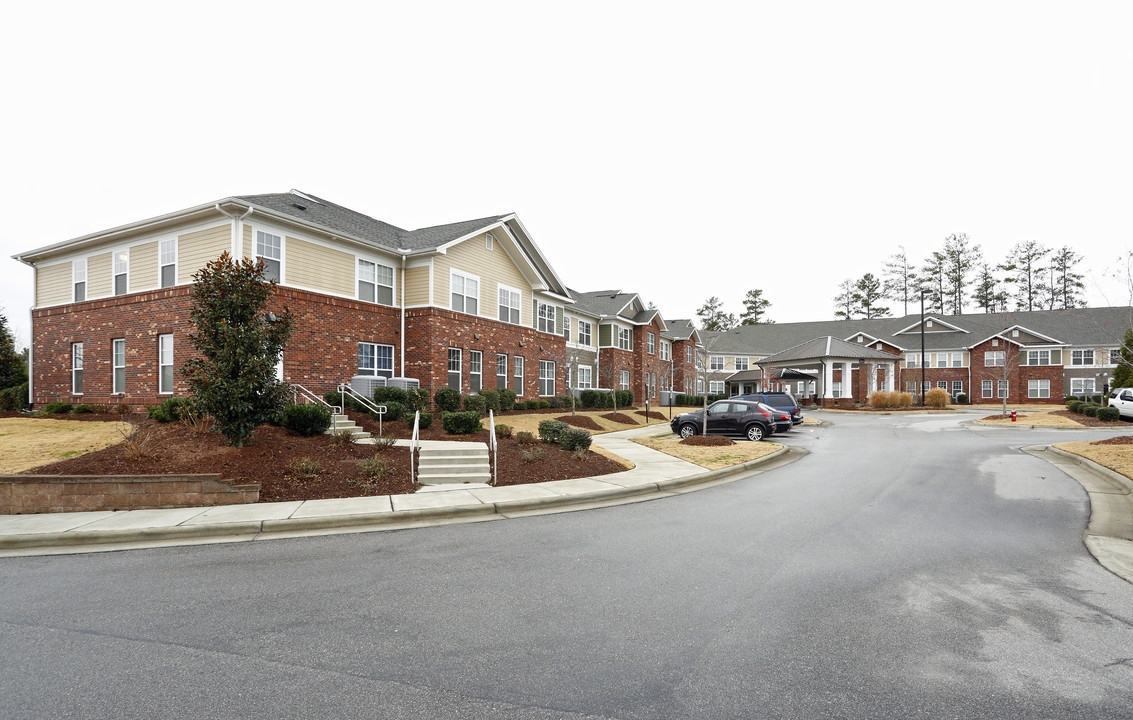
x,y
833,361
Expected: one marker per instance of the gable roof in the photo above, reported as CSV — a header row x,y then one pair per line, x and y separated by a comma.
x,y
828,346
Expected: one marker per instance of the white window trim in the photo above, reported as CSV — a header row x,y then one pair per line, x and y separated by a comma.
x,y
589,380
554,369
452,273
589,334
282,251
1093,358
500,287
551,321
623,380
448,369
77,367
628,335
651,343
75,264
712,363
472,355
503,374
115,390
518,368
176,260
114,271
161,365
392,359
1082,381
358,260
666,350
746,363
1037,384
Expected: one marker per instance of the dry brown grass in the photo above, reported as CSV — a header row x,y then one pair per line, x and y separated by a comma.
x,y
27,443
712,458
1039,418
886,399
1115,457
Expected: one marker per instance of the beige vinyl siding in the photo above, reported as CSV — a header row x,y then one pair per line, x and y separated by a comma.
x,y
53,284
319,268
99,280
195,249
494,268
247,241
143,267
417,286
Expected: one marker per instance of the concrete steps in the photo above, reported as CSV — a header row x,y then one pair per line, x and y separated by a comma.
x,y
342,423
454,463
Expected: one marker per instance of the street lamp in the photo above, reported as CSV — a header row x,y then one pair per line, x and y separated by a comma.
x,y
923,293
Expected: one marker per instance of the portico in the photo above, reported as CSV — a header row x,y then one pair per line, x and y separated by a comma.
x,y
826,356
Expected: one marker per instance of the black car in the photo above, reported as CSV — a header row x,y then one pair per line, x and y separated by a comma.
x,y
737,418
778,400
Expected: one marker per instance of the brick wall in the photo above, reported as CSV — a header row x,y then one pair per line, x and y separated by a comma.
x,y
682,369
646,362
612,362
75,493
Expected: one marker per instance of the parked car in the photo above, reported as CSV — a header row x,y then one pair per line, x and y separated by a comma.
x,y
778,400
782,418
1122,399
736,418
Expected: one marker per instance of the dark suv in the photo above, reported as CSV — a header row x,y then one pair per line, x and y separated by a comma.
x,y
738,418
780,401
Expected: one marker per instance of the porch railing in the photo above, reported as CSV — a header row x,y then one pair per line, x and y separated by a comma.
x,y
344,390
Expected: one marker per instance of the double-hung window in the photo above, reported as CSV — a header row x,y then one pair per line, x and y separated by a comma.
x,y
666,350
501,370
584,329
375,282
546,318
165,364
1081,357
957,387
1081,386
1038,388
546,378
650,343
121,272
465,293
1038,357
167,262
941,360
585,377
942,384
716,387
623,383
475,371
688,353
987,388
566,329
625,339
375,360
995,358
76,368
118,351
517,373
742,363
509,305
912,360
455,361
79,280
1115,356
957,359
1003,388
269,250
716,362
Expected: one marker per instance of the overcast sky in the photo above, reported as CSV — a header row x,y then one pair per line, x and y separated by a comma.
x,y
675,150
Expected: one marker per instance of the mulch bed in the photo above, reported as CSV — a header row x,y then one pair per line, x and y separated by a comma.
x,y
653,415
580,421
620,418
707,440
1119,440
271,459
1086,419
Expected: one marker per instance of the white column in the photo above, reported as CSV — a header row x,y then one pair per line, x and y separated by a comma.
x,y
847,387
872,386
828,380
888,385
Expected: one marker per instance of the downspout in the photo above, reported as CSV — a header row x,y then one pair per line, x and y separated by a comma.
x,y
31,353
237,228
403,315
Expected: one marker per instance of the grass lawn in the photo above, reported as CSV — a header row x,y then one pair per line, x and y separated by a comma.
x,y
26,443
712,457
1115,456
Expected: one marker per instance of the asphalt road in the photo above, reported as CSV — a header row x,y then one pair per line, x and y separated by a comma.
x,y
909,567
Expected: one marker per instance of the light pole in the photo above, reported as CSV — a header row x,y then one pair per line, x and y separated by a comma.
x,y
923,293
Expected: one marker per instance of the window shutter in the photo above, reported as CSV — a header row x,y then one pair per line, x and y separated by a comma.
x,y
534,313
604,335
559,320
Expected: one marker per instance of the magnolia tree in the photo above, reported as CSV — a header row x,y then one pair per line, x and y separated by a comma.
x,y
238,343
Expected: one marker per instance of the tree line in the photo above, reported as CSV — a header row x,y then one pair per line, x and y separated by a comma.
x,y
957,276
713,317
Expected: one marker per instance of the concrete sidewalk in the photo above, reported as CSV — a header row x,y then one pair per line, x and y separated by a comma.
x,y
655,475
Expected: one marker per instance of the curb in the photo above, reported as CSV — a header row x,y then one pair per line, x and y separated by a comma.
x,y
1021,426
386,520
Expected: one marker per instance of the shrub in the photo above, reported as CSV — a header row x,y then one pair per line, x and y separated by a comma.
x,y
304,468
532,455
346,402
507,399
476,404
625,398
902,400
394,410
460,423
1109,414
390,393
719,396
426,420
962,399
306,420
937,398
491,398
1069,399
343,438
551,430
416,399
447,400
565,401
574,439
1074,406
373,468
530,404
57,408
169,410
80,409
690,400
542,405
504,431
590,399
14,398
1090,410
525,438
881,399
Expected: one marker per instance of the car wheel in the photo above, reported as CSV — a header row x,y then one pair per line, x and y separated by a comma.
x,y
687,430
755,433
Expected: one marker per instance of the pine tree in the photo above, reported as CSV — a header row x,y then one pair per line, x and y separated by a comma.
x,y
867,294
989,293
1068,285
1123,373
846,301
712,317
932,279
13,369
900,278
234,380
960,258
755,309
1025,263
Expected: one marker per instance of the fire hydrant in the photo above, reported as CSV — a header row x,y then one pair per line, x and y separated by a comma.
x,y
1012,416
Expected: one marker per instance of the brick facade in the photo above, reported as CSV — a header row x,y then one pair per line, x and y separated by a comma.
x,y
611,362
647,362
684,372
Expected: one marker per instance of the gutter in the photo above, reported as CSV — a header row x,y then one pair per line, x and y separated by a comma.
x,y
403,256
237,228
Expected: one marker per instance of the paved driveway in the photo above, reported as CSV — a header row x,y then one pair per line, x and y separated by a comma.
x,y
909,567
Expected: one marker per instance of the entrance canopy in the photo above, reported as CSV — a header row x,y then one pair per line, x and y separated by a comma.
x,y
824,355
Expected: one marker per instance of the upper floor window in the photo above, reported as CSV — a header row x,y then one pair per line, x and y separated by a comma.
x,y
995,358
688,353
650,343
566,329
1081,357
1037,357
742,363
716,362
375,359
584,329
546,318
375,282
625,339
269,249
1115,356
121,271
666,350
465,293
941,359
912,360
167,262
79,279
509,305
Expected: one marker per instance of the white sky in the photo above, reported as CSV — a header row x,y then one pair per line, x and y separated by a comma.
x,y
675,150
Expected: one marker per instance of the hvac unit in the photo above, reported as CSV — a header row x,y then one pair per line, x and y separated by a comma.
x,y
404,383
364,385
668,397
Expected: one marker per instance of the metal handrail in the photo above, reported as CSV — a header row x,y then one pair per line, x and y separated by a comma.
x,y
413,447
298,391
379,410
492,443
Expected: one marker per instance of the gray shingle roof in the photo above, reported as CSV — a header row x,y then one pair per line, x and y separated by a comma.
x,y
828,346
600,303
681,329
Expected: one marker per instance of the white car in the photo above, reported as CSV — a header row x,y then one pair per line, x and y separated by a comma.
x,y
1122,399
